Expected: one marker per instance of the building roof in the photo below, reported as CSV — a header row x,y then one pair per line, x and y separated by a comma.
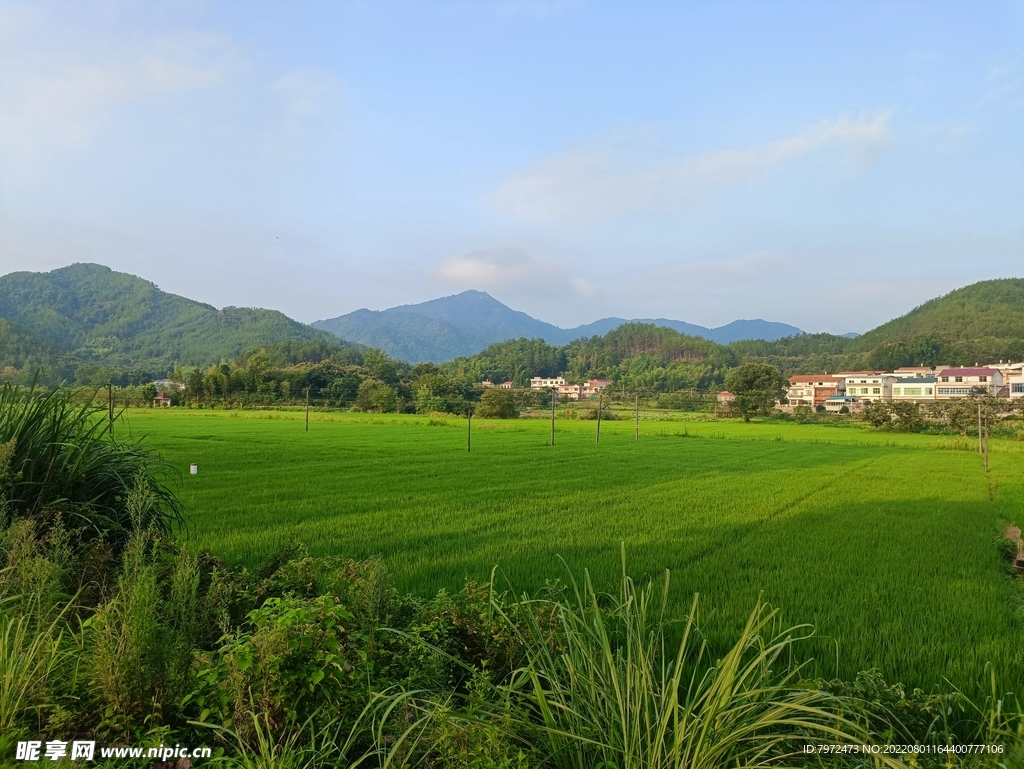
x,y
916,380
726,392
980,371
861,373
809,378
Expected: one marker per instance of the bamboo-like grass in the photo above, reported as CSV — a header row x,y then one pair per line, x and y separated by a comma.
x,y
60,456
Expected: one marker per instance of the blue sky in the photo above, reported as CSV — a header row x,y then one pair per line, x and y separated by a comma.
x,y
829,165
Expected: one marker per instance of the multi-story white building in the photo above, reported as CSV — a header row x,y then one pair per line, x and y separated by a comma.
x,y
1015,385
594,386
961,382
546,382
568,392
868,385
813,389
915,388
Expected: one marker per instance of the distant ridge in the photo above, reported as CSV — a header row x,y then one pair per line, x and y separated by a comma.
x,y
463,324
87,313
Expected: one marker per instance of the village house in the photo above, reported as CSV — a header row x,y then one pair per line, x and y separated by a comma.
x,y
962,382
868,385
914,388
485,383
836,403
594,386
162,400
917,372
1007,370
1015,385
507,385
813,389
569,392
545,382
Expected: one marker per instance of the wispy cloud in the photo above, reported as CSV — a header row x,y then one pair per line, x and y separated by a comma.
x,y
584,185
70,93
503,267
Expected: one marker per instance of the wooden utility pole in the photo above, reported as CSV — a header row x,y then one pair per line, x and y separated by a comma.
x,y
307,409
469,429
110,405
552,417
986,444
980,449
600,401
636,424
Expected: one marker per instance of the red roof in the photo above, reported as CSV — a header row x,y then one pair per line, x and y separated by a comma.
x,y
809,378
968,372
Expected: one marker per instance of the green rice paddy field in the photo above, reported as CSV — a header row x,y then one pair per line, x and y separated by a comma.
x,y
886,543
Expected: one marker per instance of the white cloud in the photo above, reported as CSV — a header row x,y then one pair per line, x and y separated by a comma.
x,y
585,185
504,267
49,89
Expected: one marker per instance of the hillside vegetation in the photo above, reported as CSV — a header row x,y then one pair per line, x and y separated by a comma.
x,y
91,325
88,314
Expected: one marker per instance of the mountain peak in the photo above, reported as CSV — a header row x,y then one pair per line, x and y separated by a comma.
x,y
466,323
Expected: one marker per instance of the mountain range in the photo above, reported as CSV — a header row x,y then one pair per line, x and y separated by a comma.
x,y
88,323
463,324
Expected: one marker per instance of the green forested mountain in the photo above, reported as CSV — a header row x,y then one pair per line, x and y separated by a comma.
x,y
983,322
980,323
464,324
88,315
90,324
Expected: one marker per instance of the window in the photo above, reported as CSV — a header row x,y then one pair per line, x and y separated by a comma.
x,y
983,379
927,391
912,391
954,391
1017,387
896,391
945,379
958,379
876,390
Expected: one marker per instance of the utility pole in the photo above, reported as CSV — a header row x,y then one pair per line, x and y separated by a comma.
x,y
552,417
636,424
980,449
110,405
986,444
600,401
307,409
469,429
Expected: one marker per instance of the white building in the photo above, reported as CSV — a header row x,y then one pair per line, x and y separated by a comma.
x,y
546,382
868,385
961,382
914,388
1016,385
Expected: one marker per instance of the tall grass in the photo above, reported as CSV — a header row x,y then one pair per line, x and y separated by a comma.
x,y
29,656
602,678
59,455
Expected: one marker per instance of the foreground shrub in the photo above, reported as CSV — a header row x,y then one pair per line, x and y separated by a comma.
x,y
58,456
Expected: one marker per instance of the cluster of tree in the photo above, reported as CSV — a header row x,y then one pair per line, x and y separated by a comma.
x,y
959,414
634,356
